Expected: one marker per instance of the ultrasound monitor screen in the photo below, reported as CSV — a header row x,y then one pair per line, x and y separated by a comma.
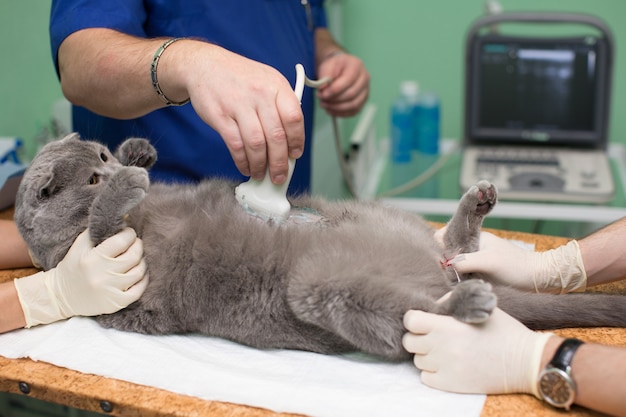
x,y
530,90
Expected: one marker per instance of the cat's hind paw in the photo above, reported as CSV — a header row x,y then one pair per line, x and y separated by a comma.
x,y
472,301
485,195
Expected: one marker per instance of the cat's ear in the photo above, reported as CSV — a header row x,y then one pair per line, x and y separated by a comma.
x,y
46,186
71,136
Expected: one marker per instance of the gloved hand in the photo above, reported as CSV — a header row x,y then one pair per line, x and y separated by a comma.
x,y
89,281
498,356
559,270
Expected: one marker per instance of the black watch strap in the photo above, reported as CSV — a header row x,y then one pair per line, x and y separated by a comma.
x,y
563,356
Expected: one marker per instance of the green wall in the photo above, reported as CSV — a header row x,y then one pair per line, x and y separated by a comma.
x,y
28,83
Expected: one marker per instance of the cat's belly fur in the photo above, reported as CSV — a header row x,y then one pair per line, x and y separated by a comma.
x,y
230,275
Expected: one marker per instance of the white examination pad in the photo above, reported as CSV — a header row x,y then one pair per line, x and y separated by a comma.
x,y
215,369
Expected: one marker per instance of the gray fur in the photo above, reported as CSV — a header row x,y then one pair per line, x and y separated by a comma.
x,y
340,286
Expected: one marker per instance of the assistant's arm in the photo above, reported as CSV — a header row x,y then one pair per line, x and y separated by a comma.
x,y
250,104
596,259
13,254
12,316
13,249
599,375
88,281
603,253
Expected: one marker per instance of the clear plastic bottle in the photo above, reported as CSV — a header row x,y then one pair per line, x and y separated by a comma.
x,y
428,120
404,113
428,134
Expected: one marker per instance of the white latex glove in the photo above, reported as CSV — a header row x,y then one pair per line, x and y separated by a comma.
x,y
89,281
559,270
498,356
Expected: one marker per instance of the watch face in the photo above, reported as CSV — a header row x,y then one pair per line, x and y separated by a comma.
x,y
557,387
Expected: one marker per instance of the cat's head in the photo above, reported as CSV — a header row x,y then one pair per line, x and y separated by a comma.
x,y
55,195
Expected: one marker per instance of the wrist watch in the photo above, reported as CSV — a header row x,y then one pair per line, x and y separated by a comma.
x,y
555,383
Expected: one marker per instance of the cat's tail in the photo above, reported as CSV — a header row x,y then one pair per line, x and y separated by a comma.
x,y
551,311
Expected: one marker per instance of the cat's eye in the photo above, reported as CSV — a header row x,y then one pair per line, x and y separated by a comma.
x,y
104,157
94,179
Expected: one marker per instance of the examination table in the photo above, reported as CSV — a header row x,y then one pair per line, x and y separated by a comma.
x,y
95,393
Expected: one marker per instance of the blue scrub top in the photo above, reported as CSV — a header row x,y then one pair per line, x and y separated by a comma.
x,y
275,32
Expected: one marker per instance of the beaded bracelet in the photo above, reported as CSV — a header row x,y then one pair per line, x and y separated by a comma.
x,y
153,74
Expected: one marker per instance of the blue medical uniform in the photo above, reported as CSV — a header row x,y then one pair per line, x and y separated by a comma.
x,y
275,32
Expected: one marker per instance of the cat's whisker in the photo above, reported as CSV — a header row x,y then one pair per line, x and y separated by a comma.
x,y
206,213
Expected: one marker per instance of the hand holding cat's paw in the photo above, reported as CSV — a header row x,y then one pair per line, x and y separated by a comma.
x,y
136,152
558,270
87,282
498,356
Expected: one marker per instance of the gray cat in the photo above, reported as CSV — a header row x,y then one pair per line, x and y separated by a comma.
x,y
337,285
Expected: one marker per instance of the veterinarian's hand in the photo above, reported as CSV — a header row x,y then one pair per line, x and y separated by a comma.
x,y
348,91
89,281
498,356
250,104
559,270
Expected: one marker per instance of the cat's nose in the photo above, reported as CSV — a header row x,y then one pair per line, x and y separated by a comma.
x,y
111,169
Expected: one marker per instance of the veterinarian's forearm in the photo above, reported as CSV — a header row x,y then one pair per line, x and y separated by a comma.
x,y
13,249
598,371
325,45
11,316
604,255
109,72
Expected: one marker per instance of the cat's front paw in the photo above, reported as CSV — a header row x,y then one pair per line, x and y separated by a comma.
x,y
127,320
132,183
472,301
125,190
136,152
